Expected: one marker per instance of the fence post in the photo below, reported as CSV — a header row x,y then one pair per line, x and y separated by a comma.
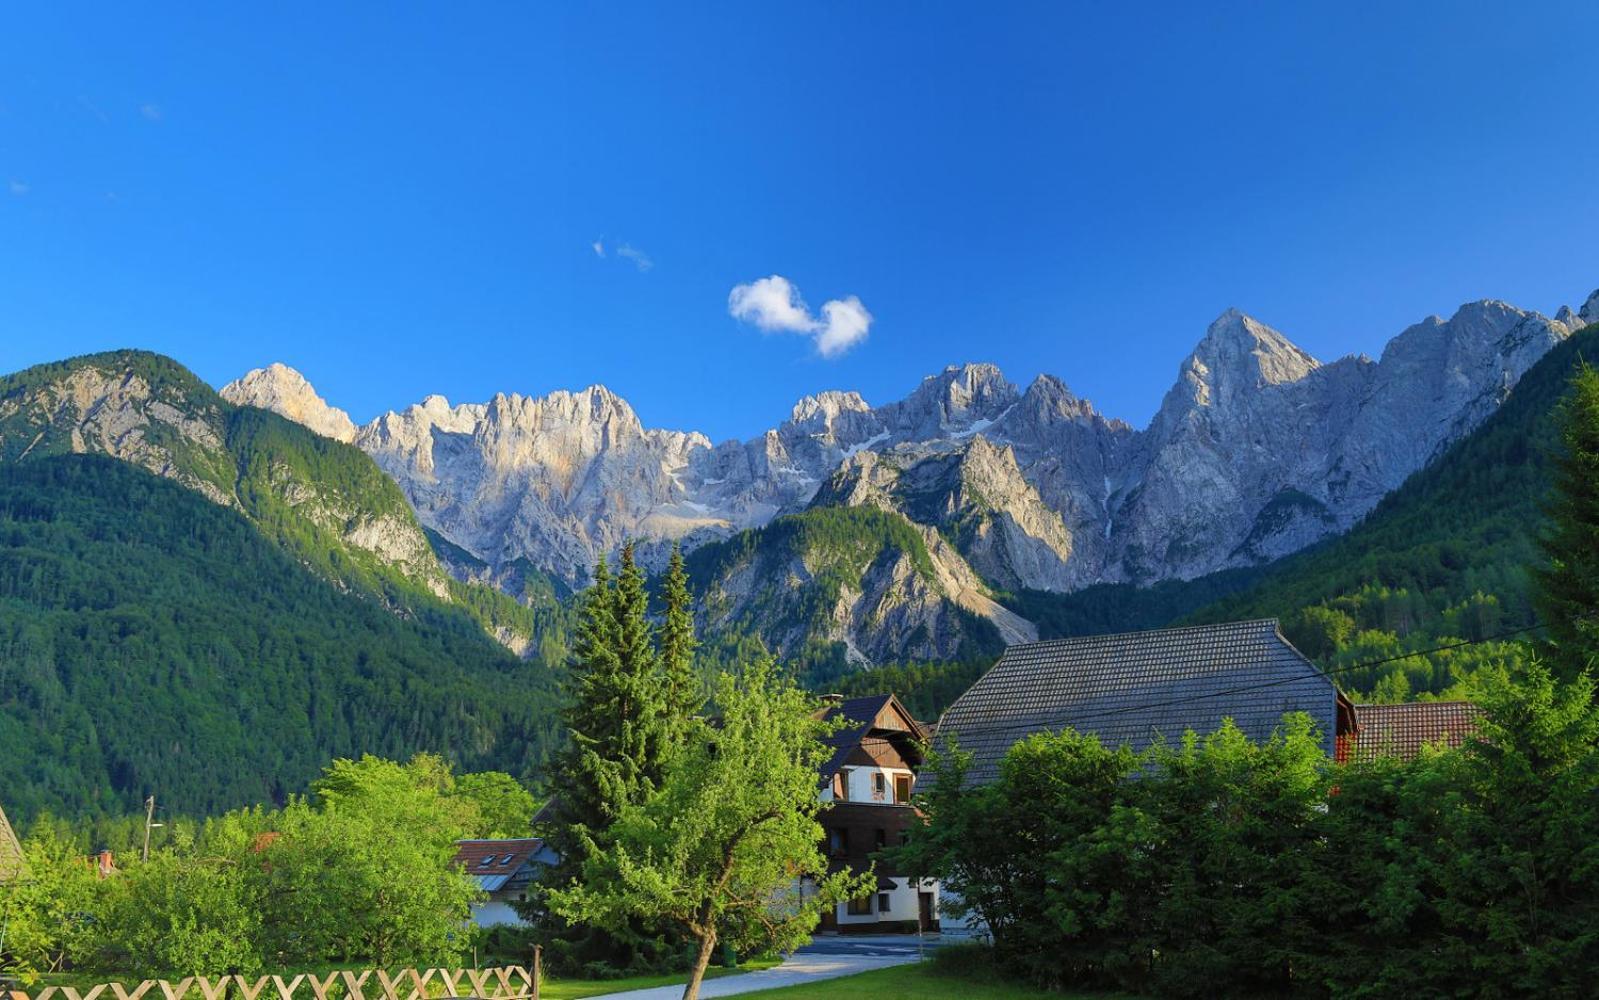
x,y
538,973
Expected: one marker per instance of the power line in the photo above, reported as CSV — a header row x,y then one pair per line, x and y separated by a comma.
x,y
1348,668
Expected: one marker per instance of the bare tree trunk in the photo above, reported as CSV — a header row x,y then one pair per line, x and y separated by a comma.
x,y
691,991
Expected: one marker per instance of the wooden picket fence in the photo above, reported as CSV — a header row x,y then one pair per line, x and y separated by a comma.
x,y
511,982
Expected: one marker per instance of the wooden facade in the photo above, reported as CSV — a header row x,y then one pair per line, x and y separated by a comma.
x,y
867,786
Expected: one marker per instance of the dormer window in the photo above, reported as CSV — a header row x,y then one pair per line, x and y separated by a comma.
x,y
879,786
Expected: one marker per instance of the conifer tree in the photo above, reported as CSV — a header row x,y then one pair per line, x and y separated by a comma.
x,y
1568,589
618,745
683,697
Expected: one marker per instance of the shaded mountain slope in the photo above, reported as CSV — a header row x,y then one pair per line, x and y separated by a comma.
x,y
154,642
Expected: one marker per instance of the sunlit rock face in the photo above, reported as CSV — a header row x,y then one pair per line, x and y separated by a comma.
x,y
1257,450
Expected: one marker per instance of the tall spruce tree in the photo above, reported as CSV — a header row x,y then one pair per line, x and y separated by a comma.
x,y
620,738
1568,589
684,698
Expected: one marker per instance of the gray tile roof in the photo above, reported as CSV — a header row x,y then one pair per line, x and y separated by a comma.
x,y
1134,688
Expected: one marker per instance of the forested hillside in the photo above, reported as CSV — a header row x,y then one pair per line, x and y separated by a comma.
x,y
152,641
325,502
832,588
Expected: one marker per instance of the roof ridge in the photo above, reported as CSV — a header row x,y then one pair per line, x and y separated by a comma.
x,y
1361,706
1211,626
500,840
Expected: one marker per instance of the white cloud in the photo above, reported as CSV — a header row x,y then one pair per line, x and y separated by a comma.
x,y
844,324
599,248
151,111
17,187
773,304
639,258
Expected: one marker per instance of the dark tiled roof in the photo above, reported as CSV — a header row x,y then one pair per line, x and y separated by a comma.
x,y
1134,688
1402,730
859,715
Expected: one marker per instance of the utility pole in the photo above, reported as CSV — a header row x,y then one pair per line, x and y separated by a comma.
x,y
149,823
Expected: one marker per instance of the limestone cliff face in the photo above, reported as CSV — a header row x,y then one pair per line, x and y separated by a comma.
x,y
284,391
1257,450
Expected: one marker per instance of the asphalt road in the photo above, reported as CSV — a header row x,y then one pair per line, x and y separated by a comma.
x,y
823,958
870,946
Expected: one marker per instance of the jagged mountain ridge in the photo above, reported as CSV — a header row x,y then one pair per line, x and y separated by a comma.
x,y
1257,450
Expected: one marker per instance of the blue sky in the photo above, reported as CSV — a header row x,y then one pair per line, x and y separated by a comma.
x,y
405,201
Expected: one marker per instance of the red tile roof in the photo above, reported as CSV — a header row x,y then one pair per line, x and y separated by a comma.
x,y
502,855
1402,730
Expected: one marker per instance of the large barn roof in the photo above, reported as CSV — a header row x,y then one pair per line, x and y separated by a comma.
x,y
1134,688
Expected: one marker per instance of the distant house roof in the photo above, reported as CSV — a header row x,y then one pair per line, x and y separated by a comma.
x,y
494,863
879,714
11,859
1134,688
1402,730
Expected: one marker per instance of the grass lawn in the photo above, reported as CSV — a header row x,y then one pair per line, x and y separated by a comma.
x,y
917,982
572,989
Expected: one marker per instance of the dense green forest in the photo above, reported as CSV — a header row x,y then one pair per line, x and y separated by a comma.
x,y
154,642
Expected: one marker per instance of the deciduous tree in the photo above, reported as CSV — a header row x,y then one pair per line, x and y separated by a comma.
x,y
725,847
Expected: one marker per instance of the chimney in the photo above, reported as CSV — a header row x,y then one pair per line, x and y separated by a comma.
x,y
103,864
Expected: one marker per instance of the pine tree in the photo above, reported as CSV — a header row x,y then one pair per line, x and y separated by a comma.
x,y
1568,589
640,698
618,746
683,697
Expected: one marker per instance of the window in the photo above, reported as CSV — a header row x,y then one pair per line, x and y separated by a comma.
x,y
882,838
902,788
838,841
841,785
882,902
879,786
904,836
861,907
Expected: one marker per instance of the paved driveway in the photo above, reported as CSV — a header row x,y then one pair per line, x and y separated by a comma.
x,y
823,958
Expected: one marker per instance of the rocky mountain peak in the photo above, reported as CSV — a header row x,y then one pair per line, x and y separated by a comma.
x,y
1590,309
819,412
1049,401
1237,344
284,391
960,398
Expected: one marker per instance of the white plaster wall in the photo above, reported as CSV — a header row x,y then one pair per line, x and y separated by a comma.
x,y
860,784
494,912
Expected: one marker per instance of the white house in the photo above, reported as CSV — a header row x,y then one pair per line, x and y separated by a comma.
x,y
501,868
867,785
